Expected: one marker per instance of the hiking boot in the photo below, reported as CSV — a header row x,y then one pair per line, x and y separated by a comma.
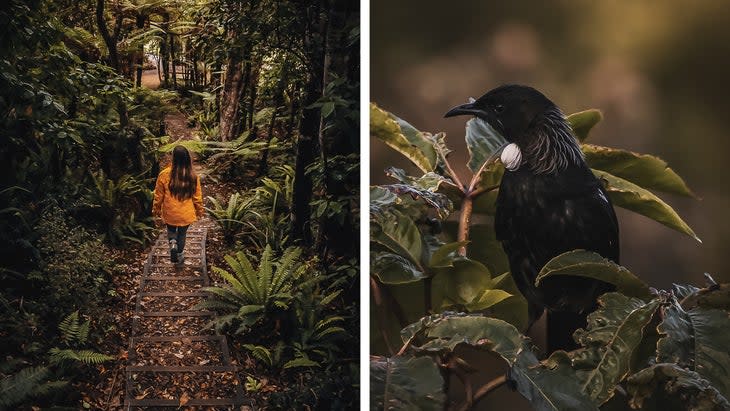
x,y
180,259
173,250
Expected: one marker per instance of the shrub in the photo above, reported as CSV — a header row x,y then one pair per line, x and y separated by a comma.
x,y
74,269
252,294
231,216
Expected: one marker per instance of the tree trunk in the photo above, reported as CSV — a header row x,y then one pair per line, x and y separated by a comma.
x,y
164,52
314,44
159,75
232,90
141,19
337,237
243,114
278,101
172,60
253,87
111,44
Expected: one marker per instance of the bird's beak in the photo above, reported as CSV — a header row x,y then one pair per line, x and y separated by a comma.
x,y
464,109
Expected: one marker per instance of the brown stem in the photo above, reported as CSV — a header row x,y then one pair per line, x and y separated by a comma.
x,y
377,296
464,378
489,387
479,191
451,172
427,294
467,205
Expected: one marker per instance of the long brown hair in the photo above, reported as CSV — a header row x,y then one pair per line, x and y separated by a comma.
x,y
183,180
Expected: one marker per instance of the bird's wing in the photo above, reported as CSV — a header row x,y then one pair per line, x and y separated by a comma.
x,y
539,218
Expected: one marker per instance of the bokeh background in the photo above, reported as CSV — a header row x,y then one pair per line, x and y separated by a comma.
x,y
659,71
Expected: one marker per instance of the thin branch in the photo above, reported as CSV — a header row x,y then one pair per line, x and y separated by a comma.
x,y
477,177
464,378
450,171
479,191
467,206
489,387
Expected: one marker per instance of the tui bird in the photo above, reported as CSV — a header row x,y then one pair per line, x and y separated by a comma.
x,y
549,202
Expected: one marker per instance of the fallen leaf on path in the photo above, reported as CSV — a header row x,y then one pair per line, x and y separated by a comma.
x,y
184,398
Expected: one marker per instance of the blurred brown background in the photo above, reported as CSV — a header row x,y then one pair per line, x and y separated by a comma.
x,y
659,71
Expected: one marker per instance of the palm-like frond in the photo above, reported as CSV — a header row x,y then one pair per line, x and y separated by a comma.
x,y
248,292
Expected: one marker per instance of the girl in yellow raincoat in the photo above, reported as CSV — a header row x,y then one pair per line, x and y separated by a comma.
x,y
178,200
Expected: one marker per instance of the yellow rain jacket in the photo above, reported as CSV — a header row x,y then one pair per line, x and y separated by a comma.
x,y
173,211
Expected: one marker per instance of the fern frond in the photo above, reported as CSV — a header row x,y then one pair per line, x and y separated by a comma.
x,y
327,321
330,297
261,353
15,389
92,357
329,331
301,362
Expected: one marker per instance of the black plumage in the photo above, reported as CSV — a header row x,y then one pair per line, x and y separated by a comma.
x,y
548,204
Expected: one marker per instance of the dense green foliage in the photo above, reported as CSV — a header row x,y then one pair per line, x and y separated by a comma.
x,y
434,293
271,88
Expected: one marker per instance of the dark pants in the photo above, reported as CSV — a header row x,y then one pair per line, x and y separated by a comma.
x,y
177,233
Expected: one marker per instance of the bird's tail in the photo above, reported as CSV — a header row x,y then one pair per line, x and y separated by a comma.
x,y
560,328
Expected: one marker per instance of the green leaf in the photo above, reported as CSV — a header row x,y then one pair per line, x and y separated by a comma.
x,y
614,331
583,121
399,233
488,333
394,269
405,383
697,339
462,285
487,299
547,388
711,297
552,388
584,263
491,178
430,181
641,169
694,392
632,197
443,256
403,138
481,140
328,108
437,201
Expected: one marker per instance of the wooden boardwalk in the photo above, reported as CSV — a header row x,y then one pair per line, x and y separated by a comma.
x,y
173,361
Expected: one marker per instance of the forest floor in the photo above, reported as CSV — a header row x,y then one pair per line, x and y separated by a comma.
x,y
105,388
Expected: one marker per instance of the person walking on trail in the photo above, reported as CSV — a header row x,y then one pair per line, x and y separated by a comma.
x,y
178,200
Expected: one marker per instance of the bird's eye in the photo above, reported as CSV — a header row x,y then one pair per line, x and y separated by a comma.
x,y
498,108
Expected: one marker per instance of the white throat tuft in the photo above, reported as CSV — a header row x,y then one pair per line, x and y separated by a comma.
x,y
511,157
